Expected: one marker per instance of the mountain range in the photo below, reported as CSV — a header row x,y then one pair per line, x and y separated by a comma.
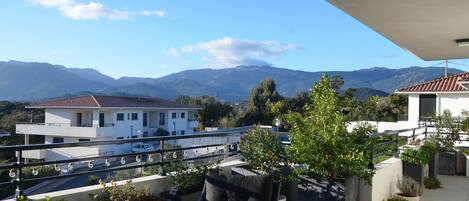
x,y
30,81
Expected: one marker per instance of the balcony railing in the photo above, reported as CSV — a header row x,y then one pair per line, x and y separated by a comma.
x,y
16,168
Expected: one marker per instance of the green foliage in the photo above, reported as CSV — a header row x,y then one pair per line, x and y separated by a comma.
x,y
432,183
320,139
92,180
421,156
186,178
261,149
125,193
396,199
211,110
447,131
260,103
466,152
409,187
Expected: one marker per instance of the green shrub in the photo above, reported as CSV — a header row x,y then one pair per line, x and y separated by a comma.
x,y
409,187
466,152
418,157
124,193
261,149
432,183
92,180
186,179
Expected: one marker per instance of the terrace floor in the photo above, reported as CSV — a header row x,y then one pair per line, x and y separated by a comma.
x,y
455,188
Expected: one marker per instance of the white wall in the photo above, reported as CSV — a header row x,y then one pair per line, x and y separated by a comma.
x,y
384,181
455,103
413,108
60,116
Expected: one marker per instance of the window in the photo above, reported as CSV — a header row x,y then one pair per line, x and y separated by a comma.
x,y
120,116
162,120
173,133
119,138
58,140
134,116
183,115
182,132
174,115
427,105
83,140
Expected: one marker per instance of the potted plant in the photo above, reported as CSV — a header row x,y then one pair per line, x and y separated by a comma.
x,y
328,153
409,189
413,162
263,152
187,182
447,134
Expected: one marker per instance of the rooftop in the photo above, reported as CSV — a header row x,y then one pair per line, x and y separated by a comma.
x,y
448,84
101,101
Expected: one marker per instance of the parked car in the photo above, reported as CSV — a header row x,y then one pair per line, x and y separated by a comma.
x,y
143,148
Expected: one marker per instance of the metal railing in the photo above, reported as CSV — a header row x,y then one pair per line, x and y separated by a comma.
x,y
17,167
68,124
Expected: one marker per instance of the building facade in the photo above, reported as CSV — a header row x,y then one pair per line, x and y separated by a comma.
x,y
89,118
432,98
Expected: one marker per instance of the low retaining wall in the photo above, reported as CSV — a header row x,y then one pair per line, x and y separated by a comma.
x,y
384,181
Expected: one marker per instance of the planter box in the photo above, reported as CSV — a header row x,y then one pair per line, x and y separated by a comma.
x,y
246,171
409,198
447,163
460,163
413,171
433,166
291,187
323,190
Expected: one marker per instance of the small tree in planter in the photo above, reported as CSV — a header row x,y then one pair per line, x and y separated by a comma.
x,y
320,141
447,133
415,160
187,182
263,151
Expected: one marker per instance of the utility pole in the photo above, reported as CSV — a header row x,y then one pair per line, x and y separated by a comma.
x,y
446,68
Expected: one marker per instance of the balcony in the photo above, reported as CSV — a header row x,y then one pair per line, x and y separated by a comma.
x,y
65,130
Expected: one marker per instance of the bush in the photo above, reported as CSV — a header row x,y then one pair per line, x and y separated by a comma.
x,y
432,183
261,149
92,180
409,187
418,157
185,179
396,199
124,193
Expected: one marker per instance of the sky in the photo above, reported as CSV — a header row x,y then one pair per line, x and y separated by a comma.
x,y
153,38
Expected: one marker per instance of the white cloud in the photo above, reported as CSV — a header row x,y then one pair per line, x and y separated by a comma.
x,y
83,11
148,13
229,51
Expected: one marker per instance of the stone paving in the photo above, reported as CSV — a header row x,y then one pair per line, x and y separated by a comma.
x,y
455,188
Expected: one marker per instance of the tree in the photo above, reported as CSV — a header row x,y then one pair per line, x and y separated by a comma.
x,y
211,110
337,82
260,103
319,138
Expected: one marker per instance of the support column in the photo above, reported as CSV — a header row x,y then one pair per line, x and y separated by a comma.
x,y
26,142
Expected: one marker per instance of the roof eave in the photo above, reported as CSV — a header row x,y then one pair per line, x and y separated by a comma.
x,y
85,107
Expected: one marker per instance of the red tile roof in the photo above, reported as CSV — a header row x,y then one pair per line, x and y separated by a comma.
x,y
99,101
447,84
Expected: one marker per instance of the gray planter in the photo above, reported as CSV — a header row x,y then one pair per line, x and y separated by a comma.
x,y
315,189
413,171
291,187
186,197
433,166
447,163
460,163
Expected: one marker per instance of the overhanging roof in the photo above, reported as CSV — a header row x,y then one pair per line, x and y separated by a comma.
x,y
426,28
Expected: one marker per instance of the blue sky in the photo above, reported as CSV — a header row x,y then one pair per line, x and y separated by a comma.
x,y
151,38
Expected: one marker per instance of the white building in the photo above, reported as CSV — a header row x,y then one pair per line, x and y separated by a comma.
x,y
434,97
89,118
